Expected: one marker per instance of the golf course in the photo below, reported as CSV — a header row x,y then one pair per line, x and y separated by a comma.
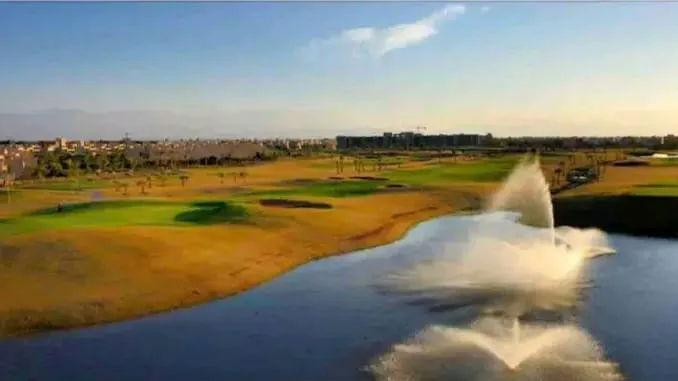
x,y
92,250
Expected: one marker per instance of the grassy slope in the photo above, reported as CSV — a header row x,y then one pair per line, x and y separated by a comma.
x,y
324,188
123,213
631,200
103,271
493,170
116,259
67,185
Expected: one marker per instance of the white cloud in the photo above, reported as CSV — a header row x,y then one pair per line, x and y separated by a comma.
x,y
484,9
377,42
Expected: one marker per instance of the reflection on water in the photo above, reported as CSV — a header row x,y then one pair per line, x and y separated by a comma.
x,y
490,351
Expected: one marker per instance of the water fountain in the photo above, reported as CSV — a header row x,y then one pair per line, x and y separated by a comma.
x,y
516,262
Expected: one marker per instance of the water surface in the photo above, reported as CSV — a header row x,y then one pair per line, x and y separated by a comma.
x,y
326,321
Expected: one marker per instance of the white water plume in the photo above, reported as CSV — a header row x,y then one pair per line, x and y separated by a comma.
x,y
525,191
491,350
507,264
514,262
497,274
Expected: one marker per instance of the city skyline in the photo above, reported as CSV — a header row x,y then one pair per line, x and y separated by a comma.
x,y
98,70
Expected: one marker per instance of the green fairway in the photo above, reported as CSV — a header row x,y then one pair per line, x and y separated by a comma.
x,y
325,188
664,162
7,195
67,185
125,213
349,164
669,188
485,171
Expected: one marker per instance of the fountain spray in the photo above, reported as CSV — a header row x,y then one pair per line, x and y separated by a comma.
x,y
511,269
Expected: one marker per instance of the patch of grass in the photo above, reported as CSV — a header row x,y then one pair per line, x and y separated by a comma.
x,y
665,188
367,161
659,191
13,192
210,213
631,163
326,188
669,188
483,171
67,185
124,213
284,203
666,184
664,162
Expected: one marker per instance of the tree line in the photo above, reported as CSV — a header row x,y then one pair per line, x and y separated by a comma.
x,y
68,164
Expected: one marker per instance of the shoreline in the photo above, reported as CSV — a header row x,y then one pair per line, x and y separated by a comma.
x,y
27,322
633,215
309,237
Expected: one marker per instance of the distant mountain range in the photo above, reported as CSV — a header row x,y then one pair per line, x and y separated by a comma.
x,y
79,124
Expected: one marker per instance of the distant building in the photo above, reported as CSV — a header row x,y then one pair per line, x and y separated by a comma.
x,y
411,140
61,143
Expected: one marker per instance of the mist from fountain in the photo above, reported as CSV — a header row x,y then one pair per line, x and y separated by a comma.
x,y
492,350
515,260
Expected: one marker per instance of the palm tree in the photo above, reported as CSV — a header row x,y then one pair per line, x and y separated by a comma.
x,y
41,171
561,170
101,162
557,172
184,179
7,183
162,179
74,172
142,186
133,164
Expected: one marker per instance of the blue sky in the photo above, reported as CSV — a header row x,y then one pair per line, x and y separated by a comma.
x,y
316,68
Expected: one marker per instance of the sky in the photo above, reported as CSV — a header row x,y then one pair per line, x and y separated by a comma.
x,y
88,70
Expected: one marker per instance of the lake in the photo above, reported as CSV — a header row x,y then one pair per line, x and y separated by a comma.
x,y
326,321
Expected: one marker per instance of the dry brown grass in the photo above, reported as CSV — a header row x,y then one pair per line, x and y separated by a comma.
x,y
54,280
621,180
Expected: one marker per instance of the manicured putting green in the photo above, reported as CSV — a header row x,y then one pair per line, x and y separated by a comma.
x,y
125,213
482,171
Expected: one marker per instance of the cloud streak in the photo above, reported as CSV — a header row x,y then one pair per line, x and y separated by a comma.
x,y
376,42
